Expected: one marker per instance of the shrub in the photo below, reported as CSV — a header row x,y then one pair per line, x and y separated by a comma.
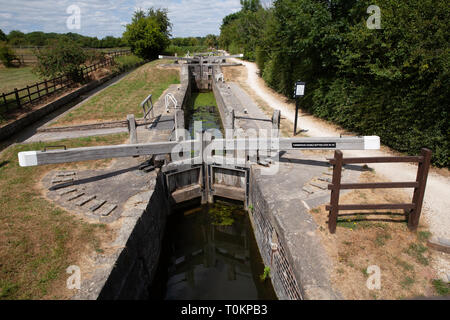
x,y
61,58
148,33
6,54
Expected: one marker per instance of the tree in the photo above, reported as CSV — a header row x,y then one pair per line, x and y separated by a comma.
x,y
3,36
148,34
6,54
211,41
16,38
61,58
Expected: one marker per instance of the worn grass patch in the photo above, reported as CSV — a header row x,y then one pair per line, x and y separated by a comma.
x,y
39,240
362,240
124,97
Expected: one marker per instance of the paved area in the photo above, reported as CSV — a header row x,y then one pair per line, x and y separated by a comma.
x,y
102,195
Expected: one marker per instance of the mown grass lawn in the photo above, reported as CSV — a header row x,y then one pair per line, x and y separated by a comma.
x,y
39,240
19,78
124,97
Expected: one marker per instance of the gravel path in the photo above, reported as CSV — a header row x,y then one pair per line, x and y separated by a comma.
x,y
437,196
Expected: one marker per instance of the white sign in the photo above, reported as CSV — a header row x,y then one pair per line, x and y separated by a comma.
x,y
300,91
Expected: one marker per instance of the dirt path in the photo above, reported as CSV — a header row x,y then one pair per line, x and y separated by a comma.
x,y
437,196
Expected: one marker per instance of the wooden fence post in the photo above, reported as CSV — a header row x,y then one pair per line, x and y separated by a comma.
x,y
16,92
179,125
335,190
5,102
276,122
132,129
29,95
46,87
419,192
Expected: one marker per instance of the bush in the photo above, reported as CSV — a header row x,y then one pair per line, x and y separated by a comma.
x,y
6,54
148,33
392,82
61,58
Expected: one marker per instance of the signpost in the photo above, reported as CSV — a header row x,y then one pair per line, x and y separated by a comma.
x,y
298,92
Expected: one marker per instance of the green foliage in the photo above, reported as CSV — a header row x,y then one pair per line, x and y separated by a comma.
x,y
38,38
3,36
392,82
148,33
183,50
6,54
266,274
61,58
211,41
442,288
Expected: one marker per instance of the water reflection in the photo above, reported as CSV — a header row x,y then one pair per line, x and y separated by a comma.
x,y
209,260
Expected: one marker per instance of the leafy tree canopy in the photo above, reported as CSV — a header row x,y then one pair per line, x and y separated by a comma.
x,y
61,58
148,34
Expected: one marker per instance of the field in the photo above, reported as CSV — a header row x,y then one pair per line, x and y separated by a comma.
x,y
39,240
11,78
124,97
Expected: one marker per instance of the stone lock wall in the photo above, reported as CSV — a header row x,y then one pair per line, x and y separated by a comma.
x,y
136,265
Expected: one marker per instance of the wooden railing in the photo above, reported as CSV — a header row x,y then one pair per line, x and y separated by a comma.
x,y
414,208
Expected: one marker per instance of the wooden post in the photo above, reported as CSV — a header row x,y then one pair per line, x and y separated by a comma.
x,y
132,129
232,117
276,122
16,92
29,95
46,87
205,191
38,91
4,100
419,192
179,125
335,189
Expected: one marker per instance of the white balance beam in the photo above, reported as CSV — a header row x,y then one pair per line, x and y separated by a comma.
x,y
33,158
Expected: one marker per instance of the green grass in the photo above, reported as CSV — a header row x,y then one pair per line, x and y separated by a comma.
x,y
417,250
407,282
126,62
19,78
124,97
423,235
405,265
442,288
39,240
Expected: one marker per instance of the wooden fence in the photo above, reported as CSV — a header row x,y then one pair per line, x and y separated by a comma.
x,y
24,59
414,208
30,94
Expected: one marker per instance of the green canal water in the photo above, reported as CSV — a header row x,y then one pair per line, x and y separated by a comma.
x,y
210,253
202,107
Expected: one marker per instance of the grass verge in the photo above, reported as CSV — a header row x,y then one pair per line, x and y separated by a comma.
x,y
371,238
39,240
124,97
